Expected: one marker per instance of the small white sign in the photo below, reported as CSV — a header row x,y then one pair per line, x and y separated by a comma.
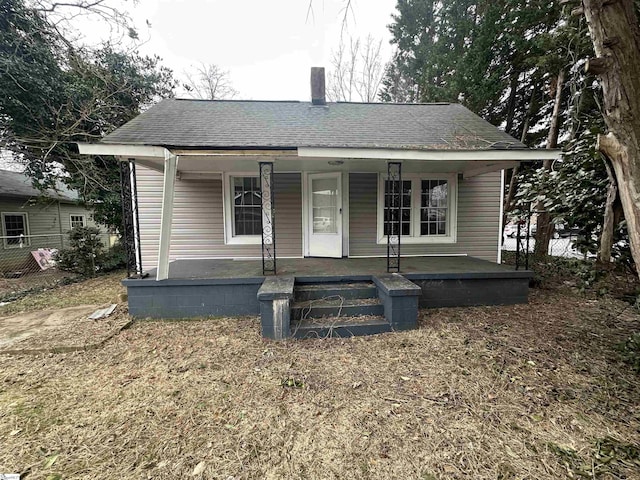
x,y
9,476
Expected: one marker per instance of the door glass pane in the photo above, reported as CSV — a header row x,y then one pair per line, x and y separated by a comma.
x,y
324,204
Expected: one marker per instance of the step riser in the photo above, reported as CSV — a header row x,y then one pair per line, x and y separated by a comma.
x,y
345,311
340,331
346,293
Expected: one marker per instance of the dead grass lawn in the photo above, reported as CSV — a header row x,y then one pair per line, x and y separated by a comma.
x,y
525,392
99,290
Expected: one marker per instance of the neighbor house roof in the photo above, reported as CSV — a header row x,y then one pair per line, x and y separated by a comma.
x,y
222,124
16,184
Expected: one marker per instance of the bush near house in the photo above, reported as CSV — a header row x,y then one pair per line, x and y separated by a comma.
x,y
86,254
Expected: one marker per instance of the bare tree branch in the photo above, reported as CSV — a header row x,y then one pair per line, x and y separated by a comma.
x,y
357,71
209,82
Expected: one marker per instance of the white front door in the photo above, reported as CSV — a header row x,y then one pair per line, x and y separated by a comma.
x,y
324,215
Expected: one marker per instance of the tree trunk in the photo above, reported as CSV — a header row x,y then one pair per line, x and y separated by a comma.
x,y
608,224
511,104
544,227
615,33
513,182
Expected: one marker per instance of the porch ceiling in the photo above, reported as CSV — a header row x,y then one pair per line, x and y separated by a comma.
x,y
205,164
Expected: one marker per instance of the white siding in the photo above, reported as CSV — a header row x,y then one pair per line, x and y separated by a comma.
x,y
478,218
197,229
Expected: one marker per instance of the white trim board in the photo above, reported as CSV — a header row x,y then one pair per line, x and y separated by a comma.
x,y
437,155
227,211
118,150
416,255
500,223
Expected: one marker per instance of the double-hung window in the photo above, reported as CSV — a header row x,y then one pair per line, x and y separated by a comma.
x,y
427,210
243,209
15,229
77,221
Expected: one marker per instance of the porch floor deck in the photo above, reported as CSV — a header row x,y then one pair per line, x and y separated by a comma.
x,y
311,268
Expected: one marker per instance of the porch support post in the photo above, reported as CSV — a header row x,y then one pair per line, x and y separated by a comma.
x,y
393,222
268,219
166,216
130,219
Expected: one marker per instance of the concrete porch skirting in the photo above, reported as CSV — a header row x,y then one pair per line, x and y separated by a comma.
x,y
193,298
453,282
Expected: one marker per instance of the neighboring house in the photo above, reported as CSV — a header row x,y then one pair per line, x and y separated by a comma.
x,y
222,181
32,219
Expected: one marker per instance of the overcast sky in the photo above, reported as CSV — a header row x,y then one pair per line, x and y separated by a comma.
x,y
268,46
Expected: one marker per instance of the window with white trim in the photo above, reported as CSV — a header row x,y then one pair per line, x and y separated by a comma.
x,y
15,229
428,213
77,221
242,209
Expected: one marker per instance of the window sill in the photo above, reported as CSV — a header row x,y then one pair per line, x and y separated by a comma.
x,y
244,240
421,240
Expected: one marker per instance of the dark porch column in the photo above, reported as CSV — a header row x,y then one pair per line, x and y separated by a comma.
x,y
393,220
268,219
130,218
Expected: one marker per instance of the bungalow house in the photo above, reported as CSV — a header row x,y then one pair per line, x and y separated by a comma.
x,y
325,218
33,220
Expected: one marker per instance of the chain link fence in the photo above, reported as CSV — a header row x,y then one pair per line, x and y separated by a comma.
x,y
561,246
27,263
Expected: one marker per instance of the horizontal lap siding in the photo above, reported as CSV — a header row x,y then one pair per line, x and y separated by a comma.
x,y
198,226
478,218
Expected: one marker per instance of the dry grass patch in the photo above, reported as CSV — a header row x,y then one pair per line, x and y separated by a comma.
x,y
98,290
535,392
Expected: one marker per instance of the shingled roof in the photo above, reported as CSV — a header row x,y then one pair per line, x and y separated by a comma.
x,y
18,185
239,124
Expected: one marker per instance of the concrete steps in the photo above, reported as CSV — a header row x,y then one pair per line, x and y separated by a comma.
x,y
317,291
316,308
322,310
340,327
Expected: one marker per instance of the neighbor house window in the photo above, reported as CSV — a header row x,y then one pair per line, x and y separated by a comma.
x,y
78,221
427,211
15,229
243,209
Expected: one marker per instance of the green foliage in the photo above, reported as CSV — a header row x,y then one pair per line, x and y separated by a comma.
x,y
53,93
113,259
83,253
501,59
492,56
607,457
630,351
87,255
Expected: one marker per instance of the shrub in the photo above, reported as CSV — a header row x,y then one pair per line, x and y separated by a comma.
x,y
631,351
113,259
83,253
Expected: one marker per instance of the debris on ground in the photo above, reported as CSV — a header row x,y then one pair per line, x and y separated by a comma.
x,y
103,312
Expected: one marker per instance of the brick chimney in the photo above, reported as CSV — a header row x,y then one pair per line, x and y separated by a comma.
x,y
318,96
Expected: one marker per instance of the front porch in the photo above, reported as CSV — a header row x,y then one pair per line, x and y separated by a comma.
x,y
331,269
360,286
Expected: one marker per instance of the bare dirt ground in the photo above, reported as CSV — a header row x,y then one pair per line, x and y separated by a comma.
x,y
17,328
60,330
534,391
